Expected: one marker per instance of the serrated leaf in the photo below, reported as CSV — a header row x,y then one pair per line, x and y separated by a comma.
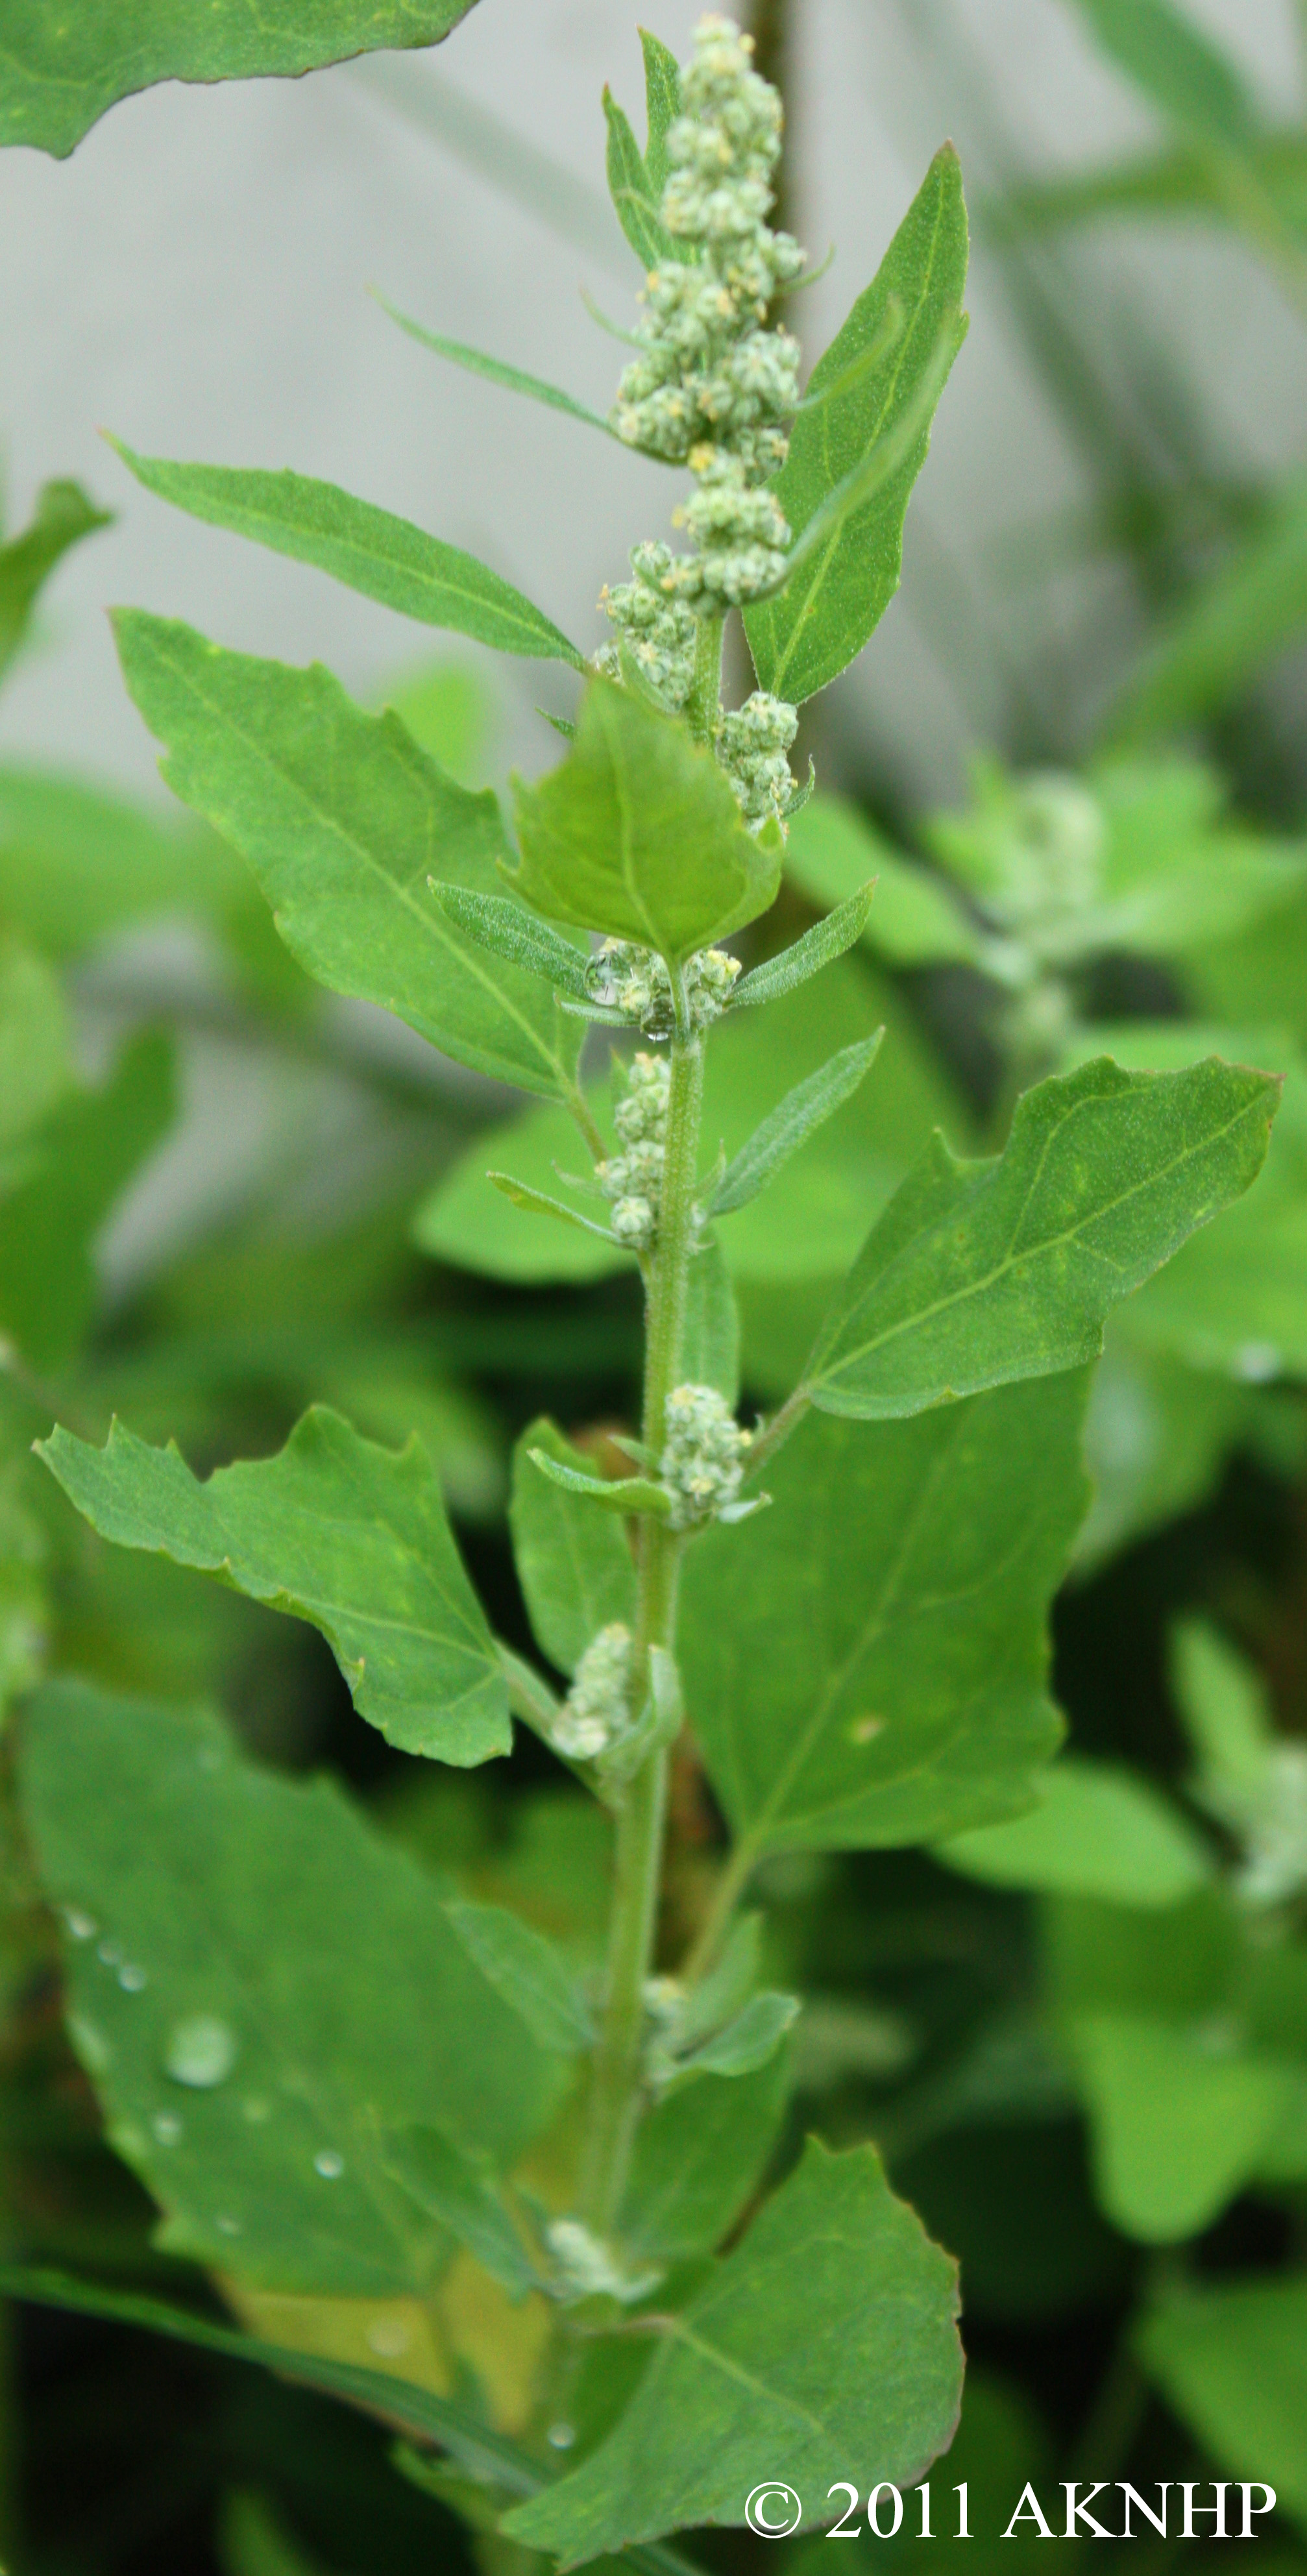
x,y
334,1530
827,2336
809,631
710,1340
913,919
371,550
789,1126
1191,80
818,947
574,1566
496,370
1230,2358
865,1664
526,1970
1177,2123
637,833
341,817
979,1273
699,2156
63,515
63,69
269,1986
75,1165
1098,1830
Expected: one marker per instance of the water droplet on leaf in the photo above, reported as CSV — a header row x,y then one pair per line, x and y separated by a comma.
x,y
133,1980
329,2164
81,1927
560,2437
200,2050
167,2128
390,2336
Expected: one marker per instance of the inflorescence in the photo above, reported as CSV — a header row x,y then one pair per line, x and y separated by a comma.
x,y
705,1454
712,388
633,984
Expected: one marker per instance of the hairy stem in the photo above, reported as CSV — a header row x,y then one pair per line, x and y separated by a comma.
x,y
615,2100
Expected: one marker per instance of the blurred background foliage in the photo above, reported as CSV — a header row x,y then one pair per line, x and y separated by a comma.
x,y
223,1196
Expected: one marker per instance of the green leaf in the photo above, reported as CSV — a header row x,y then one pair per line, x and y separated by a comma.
x,y
527,1972
625,1494
340,817
496,370
1098,1830
63,515
334,1530
35,1062
913,919
539,1203
865,1664
979,1273
1230,2358
827,2336
81,1159
710,1341
818,947
740,2048
1216,645
1186,181
467,1221
637,833
700,2154
635,198
388,559
77,864
1193,83
662,98
268,1988
459,2193
809,631
64,68
574,1566
1223,1703
1177,2122
495,923
789,1126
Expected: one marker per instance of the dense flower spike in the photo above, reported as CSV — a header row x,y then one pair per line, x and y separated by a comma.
x,y
595,1710
635,983
712,388
704,1458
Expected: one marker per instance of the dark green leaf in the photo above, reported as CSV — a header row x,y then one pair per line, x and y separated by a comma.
x,y
459,2193
62,516
865,1664
1230,2357
349,1536
63,68
710,1342
699,2156
496,370
1193,83
1098,1830
340,817
82,1157
979,1273
818,947
527,1972
269,1985
637,833
388,559
573,1563
826,2337
789,1126
807,633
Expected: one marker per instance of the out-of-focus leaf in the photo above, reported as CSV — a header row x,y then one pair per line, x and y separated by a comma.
x,y
864,1665
833,2267
1098,1830
806,633
63,515
913,920
1193,82
268,1985
527,1971
35,1063
573,1563
334,1530
1231,2358
343,820
699,2155
1184,183
1221,640
1178,2121
81,1158
62,70
77,863
387,558
637,833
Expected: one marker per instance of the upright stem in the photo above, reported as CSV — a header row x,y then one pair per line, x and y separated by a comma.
x,y
615,2100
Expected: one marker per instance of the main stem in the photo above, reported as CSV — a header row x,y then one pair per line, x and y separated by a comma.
x,y
615,2100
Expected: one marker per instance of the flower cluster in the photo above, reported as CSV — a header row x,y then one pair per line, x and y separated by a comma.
x,y
596,1710
632,1180
657,632
634,983
752,745
704,1457
587,2268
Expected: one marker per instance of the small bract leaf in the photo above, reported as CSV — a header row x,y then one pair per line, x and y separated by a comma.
x,y
621,1494
459,2192
818,947
806,1107
573,1563
496,370
62,516
638,834
337,1531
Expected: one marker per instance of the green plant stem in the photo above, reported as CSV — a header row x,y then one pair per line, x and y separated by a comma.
x,y
703,705
726,1896
615,2100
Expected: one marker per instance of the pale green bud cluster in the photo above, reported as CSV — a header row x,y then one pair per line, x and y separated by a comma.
x,y
704,1456
587,2268
657,632
632,1180
634,981
752,745
596,1709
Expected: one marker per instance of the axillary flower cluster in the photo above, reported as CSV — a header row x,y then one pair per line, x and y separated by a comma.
x,y
711,389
